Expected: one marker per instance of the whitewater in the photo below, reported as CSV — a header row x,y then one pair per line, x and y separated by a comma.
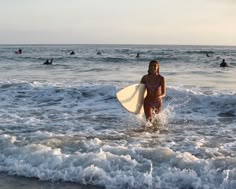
x,y
62,122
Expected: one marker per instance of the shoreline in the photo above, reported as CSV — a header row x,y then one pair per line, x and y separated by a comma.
x,y
20,182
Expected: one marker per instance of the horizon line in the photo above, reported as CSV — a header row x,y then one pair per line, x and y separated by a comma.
x,y
131,44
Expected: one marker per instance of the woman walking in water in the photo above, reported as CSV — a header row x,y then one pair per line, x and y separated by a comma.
x,y
156,90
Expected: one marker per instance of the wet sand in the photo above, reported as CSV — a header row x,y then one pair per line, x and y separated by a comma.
x,y
13,182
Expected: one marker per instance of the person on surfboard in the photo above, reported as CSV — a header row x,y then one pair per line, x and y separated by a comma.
x,y
223,64
48,62
19,51
156,90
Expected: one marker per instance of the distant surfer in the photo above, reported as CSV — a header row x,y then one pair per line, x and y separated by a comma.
x,y
99,53
138,55
223,64
48,62
19,51
72,53
156,90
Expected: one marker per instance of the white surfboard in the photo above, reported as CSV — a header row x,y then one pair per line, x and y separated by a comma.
x,y
131,98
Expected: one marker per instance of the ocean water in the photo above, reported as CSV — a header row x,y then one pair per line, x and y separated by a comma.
x,y
62,122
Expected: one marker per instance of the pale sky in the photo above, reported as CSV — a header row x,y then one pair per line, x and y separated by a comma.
x,y
180,22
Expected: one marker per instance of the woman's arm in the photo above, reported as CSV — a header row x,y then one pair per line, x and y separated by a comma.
x,y
143,80
163,88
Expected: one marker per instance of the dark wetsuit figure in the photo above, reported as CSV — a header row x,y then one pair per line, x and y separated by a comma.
x,y
48,62
223,64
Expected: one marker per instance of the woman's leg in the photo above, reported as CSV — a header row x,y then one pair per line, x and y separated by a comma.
x,y
151,108
148,110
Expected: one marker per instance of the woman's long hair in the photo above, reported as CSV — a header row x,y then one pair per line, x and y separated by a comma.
x,y
156,62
